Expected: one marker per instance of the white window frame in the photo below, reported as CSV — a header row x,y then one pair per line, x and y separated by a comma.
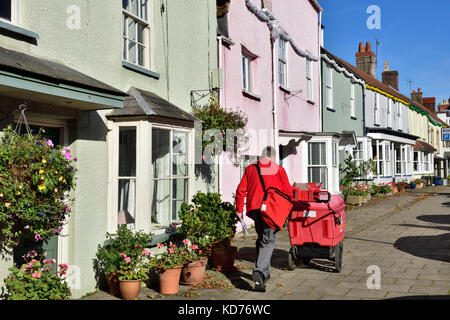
x,y
247,73
144,175
352,99
15,13
146,42
171,177
416,163
329,87
376,109
399,116
389,113
309,80
283,76
322,166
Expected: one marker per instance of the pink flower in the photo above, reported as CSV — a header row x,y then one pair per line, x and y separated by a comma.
x,y
160,245
151,255
145,252
50,143
127,259
171,250
36,274
38,237
63,265
67,156
185,241
123,255
172,245
27,227
195,247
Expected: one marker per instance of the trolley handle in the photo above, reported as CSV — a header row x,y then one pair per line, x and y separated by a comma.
x,y
323,192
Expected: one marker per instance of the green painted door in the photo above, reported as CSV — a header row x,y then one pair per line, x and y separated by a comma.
x,y
48,248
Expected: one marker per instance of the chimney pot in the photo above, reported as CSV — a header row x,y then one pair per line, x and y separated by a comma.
x,y
366,59
386,66
368,47
361,47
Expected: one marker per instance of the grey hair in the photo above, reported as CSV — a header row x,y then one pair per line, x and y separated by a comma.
x,y
269,152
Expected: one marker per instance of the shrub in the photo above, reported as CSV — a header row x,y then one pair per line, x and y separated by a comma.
x,y
35,281
207,220
35,176
125,242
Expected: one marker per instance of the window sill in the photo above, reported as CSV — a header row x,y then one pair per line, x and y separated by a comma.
x,y
251,95
18,31
141,70
376,124
331,109
353,118
311,102
283,88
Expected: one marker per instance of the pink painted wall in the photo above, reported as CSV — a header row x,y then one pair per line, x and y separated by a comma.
x,y
300,20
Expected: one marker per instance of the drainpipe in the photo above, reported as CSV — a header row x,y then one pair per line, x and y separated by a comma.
x,y
219,165
275,84
320,73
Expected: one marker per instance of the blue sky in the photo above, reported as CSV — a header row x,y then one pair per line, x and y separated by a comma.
x,y
414,36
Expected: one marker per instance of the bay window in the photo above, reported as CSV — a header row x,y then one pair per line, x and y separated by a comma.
x,y
170,175
136,32
317,163
358,152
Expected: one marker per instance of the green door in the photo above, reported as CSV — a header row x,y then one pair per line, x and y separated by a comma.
x,y
49,248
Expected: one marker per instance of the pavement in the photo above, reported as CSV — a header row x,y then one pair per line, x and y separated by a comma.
x,y
402,240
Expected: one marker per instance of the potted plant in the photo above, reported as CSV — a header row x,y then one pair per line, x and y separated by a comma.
x,y
412,185
194,270
211,223
169,262
353,194
35,280
108,257
132,270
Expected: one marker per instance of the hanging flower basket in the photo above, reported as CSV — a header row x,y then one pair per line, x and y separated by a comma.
x,y
35,177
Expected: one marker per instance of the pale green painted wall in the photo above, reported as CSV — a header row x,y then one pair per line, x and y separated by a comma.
x,y
96,50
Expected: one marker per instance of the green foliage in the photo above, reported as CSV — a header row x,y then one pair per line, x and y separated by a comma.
x,y
128,243
351,171
383,188
35,281
213,116
207,220
35,177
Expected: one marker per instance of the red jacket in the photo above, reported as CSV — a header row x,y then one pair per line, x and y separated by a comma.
x,y
250,186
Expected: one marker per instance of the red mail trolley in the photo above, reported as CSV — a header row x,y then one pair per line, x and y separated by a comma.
x,y
316,226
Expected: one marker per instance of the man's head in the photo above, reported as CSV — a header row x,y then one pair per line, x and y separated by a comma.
x,y
269,152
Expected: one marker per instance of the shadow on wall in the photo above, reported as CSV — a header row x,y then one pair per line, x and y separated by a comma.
x,y
430,247
91,126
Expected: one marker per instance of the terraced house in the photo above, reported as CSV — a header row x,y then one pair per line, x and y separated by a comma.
x,y
269,56
343,93
112,80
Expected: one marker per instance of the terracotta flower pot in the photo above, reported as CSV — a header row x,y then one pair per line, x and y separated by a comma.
x,y
129,289
112,280
169,280
193,272
223,258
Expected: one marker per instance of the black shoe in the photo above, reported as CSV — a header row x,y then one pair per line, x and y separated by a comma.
x,y
258,279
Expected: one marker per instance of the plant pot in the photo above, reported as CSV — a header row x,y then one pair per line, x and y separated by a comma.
x,y
223,243
129,289
169,280
413,186
193,272
401,190
112,281
223,258
356,200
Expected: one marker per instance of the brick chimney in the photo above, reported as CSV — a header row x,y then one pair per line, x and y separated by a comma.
x,y
389,78
430,104
366,59
417,96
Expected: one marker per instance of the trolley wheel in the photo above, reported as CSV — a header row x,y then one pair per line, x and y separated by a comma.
x,y
339,249
292,262
306,261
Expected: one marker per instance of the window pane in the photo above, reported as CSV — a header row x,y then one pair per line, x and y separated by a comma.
x,y
161,203
144,9
127,152
317,175
124,45
125,4
141,55
161,153
133,7
317,154
244,73
127,197
179,195
323,158
131,29
180,156
132,52
5,9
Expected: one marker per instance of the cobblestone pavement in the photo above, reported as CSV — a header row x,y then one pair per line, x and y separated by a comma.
x,y
407,236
